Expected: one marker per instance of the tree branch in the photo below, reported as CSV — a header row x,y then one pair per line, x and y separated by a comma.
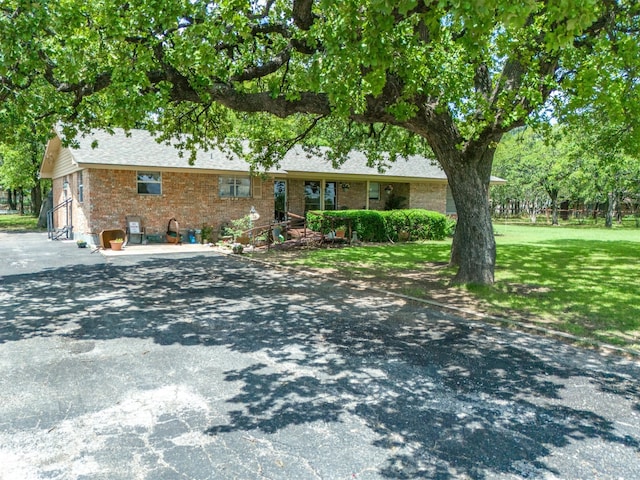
x,y
302,15
289,144
260,71
307,102
265,11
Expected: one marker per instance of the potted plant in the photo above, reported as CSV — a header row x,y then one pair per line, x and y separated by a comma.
x,y
116,243
209,235
81,243
237,248
238,230
262,239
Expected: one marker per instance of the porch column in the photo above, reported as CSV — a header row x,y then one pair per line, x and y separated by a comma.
x,y
366,195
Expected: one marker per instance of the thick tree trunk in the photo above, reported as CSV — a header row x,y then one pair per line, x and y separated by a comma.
x,y
474,249
36,198
468,169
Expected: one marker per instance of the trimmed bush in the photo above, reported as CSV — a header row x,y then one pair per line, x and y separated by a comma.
x,y
383,226
417,224
368,223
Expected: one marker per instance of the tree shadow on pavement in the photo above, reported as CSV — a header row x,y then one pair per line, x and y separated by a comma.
x,y
443,397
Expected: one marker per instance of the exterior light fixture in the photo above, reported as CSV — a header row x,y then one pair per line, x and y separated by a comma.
x,y
388,189
345,186
253,214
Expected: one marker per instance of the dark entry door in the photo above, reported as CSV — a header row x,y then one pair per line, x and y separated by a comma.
x,y
280,198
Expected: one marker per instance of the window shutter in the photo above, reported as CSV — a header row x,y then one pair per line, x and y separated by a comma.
x,y
257,187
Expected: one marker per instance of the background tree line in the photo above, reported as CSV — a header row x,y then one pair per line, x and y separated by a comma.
x,y
19,174
575,170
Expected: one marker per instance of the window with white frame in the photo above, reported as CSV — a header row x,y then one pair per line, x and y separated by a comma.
x,y
374,191
234,186
149,183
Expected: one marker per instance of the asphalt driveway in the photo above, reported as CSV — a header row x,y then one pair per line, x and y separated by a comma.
x,y
203,366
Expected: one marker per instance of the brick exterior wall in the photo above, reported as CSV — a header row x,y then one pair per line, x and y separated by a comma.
x,y
428,195
295,196
354,198
192,198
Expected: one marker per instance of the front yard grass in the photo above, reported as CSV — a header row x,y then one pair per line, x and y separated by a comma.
x,y
582,280
14,222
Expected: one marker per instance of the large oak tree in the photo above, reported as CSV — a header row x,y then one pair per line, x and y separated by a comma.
x,y
454,74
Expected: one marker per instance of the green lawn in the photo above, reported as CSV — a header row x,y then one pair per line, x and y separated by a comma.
x,y
581,280
18,222
584,280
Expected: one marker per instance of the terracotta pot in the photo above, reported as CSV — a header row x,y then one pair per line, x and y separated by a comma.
x,y
115,245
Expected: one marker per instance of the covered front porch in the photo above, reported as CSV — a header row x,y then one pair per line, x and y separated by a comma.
x,y
299,195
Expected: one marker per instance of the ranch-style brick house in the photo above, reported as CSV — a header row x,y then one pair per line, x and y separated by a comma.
x,y
131,174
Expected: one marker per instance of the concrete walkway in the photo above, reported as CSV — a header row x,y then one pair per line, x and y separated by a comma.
x,y
157,249
203,366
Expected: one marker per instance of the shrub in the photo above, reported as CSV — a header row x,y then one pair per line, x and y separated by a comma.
x,y
237,227
367,223
382,226
418,224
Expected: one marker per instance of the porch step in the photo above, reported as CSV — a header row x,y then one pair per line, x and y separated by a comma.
x,y
61,232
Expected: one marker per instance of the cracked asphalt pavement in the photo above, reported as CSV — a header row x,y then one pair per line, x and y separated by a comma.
x,y
205,366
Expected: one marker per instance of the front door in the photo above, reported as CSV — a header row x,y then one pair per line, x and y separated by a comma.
x,y
280,196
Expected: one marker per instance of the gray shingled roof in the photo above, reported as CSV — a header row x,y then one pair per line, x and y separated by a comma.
x,y
297,160
138,148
